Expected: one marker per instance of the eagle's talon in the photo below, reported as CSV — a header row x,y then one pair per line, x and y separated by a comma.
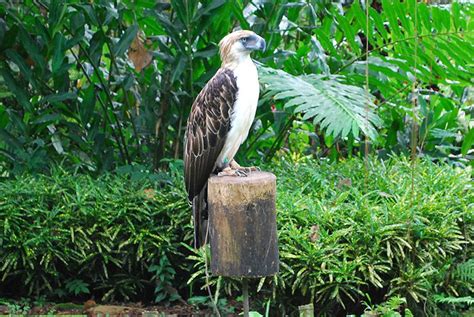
x,y
236,166
254,168
232,172
241,173
251,169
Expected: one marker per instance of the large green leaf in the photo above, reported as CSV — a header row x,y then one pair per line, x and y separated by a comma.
x,y
338,108
58,52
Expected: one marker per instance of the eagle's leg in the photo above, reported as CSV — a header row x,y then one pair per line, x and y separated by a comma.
x,y
236,166
228,171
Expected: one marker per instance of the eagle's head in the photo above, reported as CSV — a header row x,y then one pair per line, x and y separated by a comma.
x,y
238,45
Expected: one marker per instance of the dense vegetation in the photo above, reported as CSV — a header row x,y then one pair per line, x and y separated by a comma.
x,y
347,239
104,84
94,97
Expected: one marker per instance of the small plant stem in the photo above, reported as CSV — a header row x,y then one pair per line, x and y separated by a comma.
x,y
245,295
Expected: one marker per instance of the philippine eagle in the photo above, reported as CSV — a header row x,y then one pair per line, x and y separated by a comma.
x,y
220,120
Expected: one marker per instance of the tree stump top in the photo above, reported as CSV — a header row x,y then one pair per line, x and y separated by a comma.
x,y
244,190
253,178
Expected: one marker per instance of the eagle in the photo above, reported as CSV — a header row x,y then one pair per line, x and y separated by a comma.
x,y
220,120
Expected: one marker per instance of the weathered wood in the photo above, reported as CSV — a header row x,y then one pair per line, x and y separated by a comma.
x,y
242,225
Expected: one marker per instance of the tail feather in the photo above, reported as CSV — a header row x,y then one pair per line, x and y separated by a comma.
x,y
200,218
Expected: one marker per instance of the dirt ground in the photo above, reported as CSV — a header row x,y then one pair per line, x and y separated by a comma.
x,y
90,308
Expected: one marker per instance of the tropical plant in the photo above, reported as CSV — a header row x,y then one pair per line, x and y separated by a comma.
x,y
106,237
164,276
390,243
128,236
393,307
461,277
71,93
366,230
76,286
102,84
418,65
339,109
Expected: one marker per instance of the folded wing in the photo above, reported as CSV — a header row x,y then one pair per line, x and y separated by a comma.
x,y
207,128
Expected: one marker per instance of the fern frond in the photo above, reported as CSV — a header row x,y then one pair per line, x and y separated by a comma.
x,y
465,271
338,108
466,300
444,37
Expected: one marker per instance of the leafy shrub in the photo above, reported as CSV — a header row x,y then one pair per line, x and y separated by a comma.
x,y
66,235
349,230
349,234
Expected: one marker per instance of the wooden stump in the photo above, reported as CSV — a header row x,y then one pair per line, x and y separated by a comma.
x,y
242,220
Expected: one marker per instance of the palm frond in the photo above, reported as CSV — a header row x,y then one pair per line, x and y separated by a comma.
x,y
340,109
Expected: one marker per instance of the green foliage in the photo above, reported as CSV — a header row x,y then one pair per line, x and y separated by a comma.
x,y
463,276
418,53
71,90
345,231
348,232
21,307
76,287
469,300
164,276
427,94
393,307
361,231
338,108
204,301
465,271
344,236
80,235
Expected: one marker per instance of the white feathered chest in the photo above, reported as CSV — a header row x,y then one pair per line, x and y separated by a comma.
x,y
243,112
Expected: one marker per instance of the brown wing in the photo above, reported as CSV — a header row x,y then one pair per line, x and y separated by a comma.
x,y
208,124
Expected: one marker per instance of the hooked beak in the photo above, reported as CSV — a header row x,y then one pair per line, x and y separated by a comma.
x,y
255,42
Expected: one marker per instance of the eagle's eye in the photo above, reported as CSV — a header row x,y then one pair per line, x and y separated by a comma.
x,y
243,40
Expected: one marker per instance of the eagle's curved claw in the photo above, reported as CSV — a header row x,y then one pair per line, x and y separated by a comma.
x,y
241,173
236,166
232,172
254,168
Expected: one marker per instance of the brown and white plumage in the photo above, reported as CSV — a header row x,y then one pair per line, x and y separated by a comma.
x,y
220,118
208,125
